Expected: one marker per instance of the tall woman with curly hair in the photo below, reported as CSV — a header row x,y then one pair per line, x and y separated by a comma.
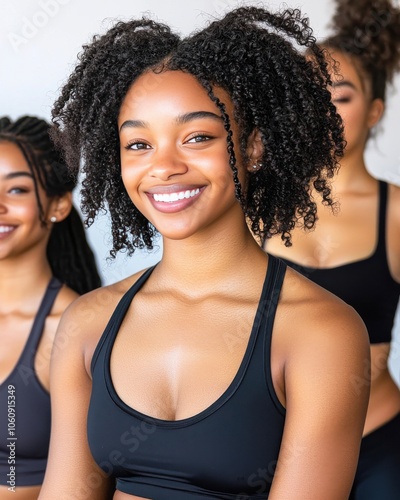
x,y
216,373
356,253
45,263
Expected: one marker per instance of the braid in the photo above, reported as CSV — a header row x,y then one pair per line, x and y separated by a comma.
x,y
75,258
68,251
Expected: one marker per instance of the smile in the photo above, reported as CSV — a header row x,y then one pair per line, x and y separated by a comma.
x,y
6,229
171,197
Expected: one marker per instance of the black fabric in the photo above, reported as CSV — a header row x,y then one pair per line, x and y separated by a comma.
x,y
366,285
378,471
32,408
227,451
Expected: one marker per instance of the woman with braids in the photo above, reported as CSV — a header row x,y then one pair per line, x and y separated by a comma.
x,y
356,254
45,263
215,373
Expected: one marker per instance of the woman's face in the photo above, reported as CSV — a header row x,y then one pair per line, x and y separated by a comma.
x,y
351,94
20,227
174,158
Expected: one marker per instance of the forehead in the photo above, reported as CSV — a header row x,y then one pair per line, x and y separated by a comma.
x,y
168,92
11,157
347,70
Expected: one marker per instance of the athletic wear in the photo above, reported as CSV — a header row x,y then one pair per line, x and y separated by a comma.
x,y
378,472
26,404
366,284
227,451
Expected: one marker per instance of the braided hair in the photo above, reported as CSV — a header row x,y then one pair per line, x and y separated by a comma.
x,y
275,89
69,254
369,32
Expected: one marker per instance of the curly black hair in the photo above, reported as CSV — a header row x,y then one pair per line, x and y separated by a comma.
x,y
275,89
368,31
69,254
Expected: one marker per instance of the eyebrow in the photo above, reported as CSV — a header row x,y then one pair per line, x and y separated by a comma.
x,y
13,175
180,120
344,83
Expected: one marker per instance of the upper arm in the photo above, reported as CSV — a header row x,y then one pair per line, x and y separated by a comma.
x,y
393,232
71,471
327,389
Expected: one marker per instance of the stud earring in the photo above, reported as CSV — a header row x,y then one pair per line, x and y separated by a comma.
x,y
53,219
257,165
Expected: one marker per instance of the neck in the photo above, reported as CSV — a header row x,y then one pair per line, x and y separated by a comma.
x,y
21,278
210,261
353,175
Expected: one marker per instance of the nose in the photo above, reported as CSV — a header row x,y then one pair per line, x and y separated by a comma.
x,y
167,162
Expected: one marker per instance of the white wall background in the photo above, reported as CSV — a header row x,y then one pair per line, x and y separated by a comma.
x,y
39,42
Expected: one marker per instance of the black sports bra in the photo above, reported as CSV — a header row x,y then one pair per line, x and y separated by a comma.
x,y
366,285
227,451
25,409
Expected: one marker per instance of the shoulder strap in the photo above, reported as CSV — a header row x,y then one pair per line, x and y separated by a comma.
x,y
383,189
118,315
276,273
44,310
271,292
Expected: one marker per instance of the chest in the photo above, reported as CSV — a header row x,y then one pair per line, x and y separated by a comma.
x,y
348,234
173,360
191,411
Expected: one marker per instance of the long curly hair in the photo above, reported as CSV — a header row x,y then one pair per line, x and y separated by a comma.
x,y
69,254
369,32
253,54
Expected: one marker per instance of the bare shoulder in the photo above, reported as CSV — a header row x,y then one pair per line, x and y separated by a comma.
x,y
321,370
393,231
86,317
97,306
394,200
394,194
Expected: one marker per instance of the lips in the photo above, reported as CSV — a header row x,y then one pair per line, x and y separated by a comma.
x,y
5,230
171,199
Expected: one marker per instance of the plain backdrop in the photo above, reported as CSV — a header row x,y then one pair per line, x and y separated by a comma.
x,y
39,43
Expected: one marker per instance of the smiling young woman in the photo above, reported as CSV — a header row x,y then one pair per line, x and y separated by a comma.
x,y
45,262
216,373
356,253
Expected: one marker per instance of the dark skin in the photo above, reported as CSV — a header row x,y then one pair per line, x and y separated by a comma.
x,y
352,235
175,169
25,274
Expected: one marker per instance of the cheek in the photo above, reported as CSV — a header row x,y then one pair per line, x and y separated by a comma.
x,y
28,209
353,119
127,175
130,180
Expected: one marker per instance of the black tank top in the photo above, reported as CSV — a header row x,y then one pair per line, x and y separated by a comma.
x,y
25,409
227,450
366,284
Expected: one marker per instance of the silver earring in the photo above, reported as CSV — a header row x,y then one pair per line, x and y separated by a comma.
x,y
53,219
255,166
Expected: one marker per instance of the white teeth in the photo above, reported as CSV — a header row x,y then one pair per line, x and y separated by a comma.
x,y
171,197
6,229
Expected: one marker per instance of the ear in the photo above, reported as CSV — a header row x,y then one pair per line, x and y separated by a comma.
x,y
60,207
375,112
255,149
